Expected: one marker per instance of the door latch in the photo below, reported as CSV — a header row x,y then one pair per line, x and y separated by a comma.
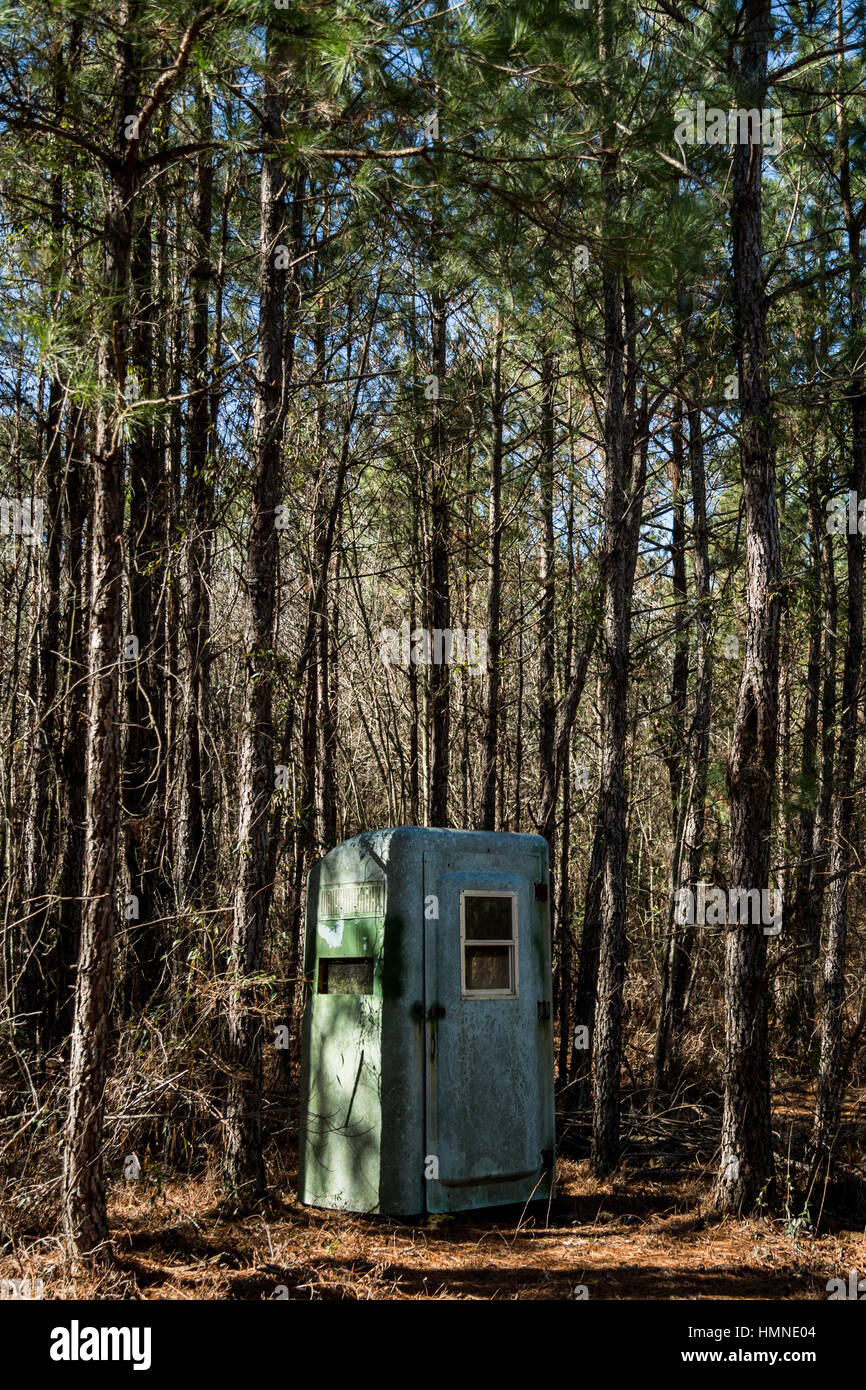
x,y
543,1009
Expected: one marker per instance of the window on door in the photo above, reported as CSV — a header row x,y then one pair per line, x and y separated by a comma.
x,y
488,943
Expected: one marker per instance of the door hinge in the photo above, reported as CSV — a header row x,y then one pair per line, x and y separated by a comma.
x,y
541,892
543,1009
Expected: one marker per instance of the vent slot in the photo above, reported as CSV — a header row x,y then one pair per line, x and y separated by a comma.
x,y
352,900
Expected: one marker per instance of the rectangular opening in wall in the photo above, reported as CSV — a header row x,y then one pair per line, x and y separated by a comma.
x,y
345,975
488,942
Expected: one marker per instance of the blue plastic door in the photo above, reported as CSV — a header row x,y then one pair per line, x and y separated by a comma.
x,y
489,1103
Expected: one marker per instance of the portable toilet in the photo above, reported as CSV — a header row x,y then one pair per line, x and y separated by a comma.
x,y
427,1059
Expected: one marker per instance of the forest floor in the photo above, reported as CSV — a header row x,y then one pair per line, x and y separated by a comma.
x,y
651,1233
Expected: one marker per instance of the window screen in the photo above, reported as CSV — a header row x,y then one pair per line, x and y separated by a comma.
x,y
489,943
342,975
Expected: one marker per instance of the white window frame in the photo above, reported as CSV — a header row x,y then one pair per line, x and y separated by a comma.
x,y
514,991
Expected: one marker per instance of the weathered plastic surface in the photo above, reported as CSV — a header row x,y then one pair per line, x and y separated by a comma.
x,y
413,1097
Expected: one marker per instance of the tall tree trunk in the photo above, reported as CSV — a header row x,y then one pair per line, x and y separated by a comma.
x,y
546,616
144,686
693,801
438,585
41,996
563,896
675,751
415,811
747,1170
494,592
843,854
326,811
820,848
243,1165
194,851
586,987
623,502
681,972
84,1207
518,720
41,838
794,1004
77,505
680,668
170,369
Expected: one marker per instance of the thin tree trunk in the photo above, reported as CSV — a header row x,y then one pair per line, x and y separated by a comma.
x,y
678,965
75,508
171,296
243,1165
843,854
144,687
194,851
326,816
682,967
820,847
494,594
623,503
563,897
78,490
438,587
676,742
547,640
794,1003
586,989
84,1207
546,581
41,838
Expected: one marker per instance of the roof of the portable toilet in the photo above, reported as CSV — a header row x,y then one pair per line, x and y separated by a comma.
x,y
374,842
396,854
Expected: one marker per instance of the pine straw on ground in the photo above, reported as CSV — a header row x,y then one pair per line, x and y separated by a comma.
x,y
650,1233
636,1238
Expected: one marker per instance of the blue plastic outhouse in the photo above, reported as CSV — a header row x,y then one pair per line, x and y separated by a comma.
x,y
427,1064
